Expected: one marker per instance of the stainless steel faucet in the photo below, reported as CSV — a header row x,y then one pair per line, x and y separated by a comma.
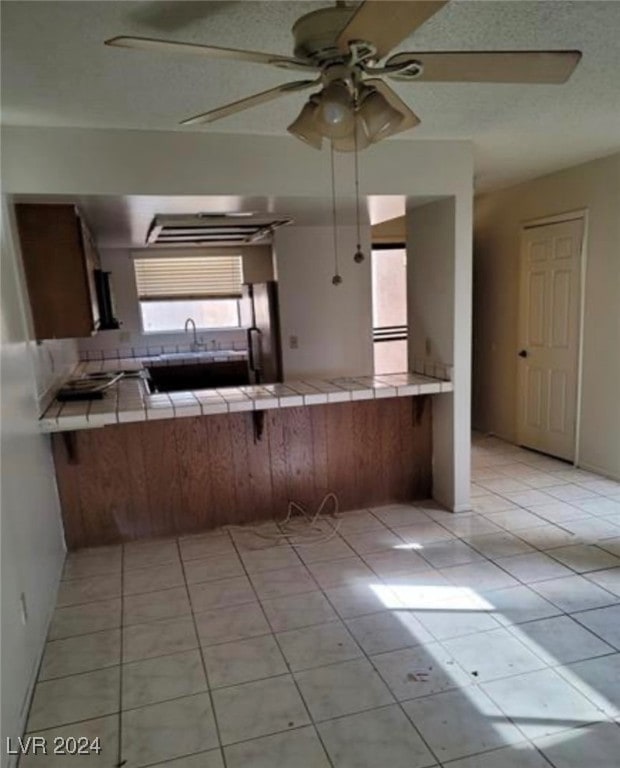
x,y
194,346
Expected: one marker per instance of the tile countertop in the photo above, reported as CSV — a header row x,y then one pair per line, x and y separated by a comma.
x,y
130,401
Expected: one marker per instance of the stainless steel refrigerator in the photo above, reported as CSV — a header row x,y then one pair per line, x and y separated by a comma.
x,y
260,317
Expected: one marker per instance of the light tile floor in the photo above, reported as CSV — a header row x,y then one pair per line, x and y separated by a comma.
x,y
413,638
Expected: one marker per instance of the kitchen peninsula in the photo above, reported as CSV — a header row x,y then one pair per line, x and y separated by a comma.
x,y
135,464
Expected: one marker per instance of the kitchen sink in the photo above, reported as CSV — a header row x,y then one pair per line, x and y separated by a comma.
x,y
178,377
203,355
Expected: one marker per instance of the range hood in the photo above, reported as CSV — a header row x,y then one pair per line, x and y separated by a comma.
x,y
200,229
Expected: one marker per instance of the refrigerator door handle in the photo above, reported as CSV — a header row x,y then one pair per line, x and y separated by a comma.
x,y
250,350
254,349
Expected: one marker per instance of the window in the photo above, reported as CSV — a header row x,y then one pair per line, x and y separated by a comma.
x,y
158,316
205,288
389,308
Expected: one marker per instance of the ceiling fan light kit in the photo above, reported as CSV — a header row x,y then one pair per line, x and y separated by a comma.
x,y
345,45
377,115
352,120
304,126
335,116
355,141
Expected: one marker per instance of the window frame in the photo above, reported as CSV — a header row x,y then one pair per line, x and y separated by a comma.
x,y
198,327
171,299
395,333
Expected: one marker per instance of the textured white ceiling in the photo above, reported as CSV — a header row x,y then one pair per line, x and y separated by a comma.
x,y
56,72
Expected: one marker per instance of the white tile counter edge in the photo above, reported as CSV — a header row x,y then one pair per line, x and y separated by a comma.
x,y
129,401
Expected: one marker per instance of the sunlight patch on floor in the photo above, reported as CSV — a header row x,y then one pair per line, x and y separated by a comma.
x,y
541,710
430,597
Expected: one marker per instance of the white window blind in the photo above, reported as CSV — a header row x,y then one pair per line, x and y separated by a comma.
x,y
189,277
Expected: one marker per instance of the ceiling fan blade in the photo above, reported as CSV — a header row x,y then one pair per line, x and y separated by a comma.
x,y
492,67
210,51
385,23
410,119
250,101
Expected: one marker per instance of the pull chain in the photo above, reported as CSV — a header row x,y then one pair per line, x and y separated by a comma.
x,y
336,279
358,256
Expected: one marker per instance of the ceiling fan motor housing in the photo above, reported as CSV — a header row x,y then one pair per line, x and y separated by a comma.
x,y
316,34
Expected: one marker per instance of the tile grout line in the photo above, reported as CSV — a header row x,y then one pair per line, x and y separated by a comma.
x,y
290,671
564,613
585,626
490,559
453,761
331,664
46,642
479,684
202,661
221,748
339,620
485,558
440,641
527,585
396,701
368,658
120,762
475,683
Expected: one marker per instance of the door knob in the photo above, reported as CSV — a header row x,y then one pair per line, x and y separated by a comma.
x,y
523,353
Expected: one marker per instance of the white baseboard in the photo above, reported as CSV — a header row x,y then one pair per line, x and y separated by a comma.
x,y
599,471
461,508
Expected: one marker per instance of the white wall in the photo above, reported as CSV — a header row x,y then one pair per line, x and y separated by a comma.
x,y
333,324
430,261
257,267
82,161
596,187
32,538
53,360
439,311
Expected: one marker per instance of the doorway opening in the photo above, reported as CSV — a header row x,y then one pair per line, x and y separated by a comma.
x,y
389,308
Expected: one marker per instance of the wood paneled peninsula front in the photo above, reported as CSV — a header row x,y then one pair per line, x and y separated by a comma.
x,y
136,465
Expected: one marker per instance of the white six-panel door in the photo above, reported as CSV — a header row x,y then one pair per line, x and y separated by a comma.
x,y
549,337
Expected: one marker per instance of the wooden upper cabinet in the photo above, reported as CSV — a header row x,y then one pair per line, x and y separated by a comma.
x,y
59,259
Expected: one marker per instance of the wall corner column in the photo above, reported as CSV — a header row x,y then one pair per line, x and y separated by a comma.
x,y
439,282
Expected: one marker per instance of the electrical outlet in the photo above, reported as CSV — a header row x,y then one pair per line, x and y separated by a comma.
x,y
24,607
293,342
428,346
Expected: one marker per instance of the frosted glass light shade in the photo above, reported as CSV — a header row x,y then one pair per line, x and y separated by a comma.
x,y
335,116
347,143
304,127
378,115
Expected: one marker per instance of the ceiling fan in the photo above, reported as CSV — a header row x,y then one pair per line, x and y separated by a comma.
x,y
354,107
